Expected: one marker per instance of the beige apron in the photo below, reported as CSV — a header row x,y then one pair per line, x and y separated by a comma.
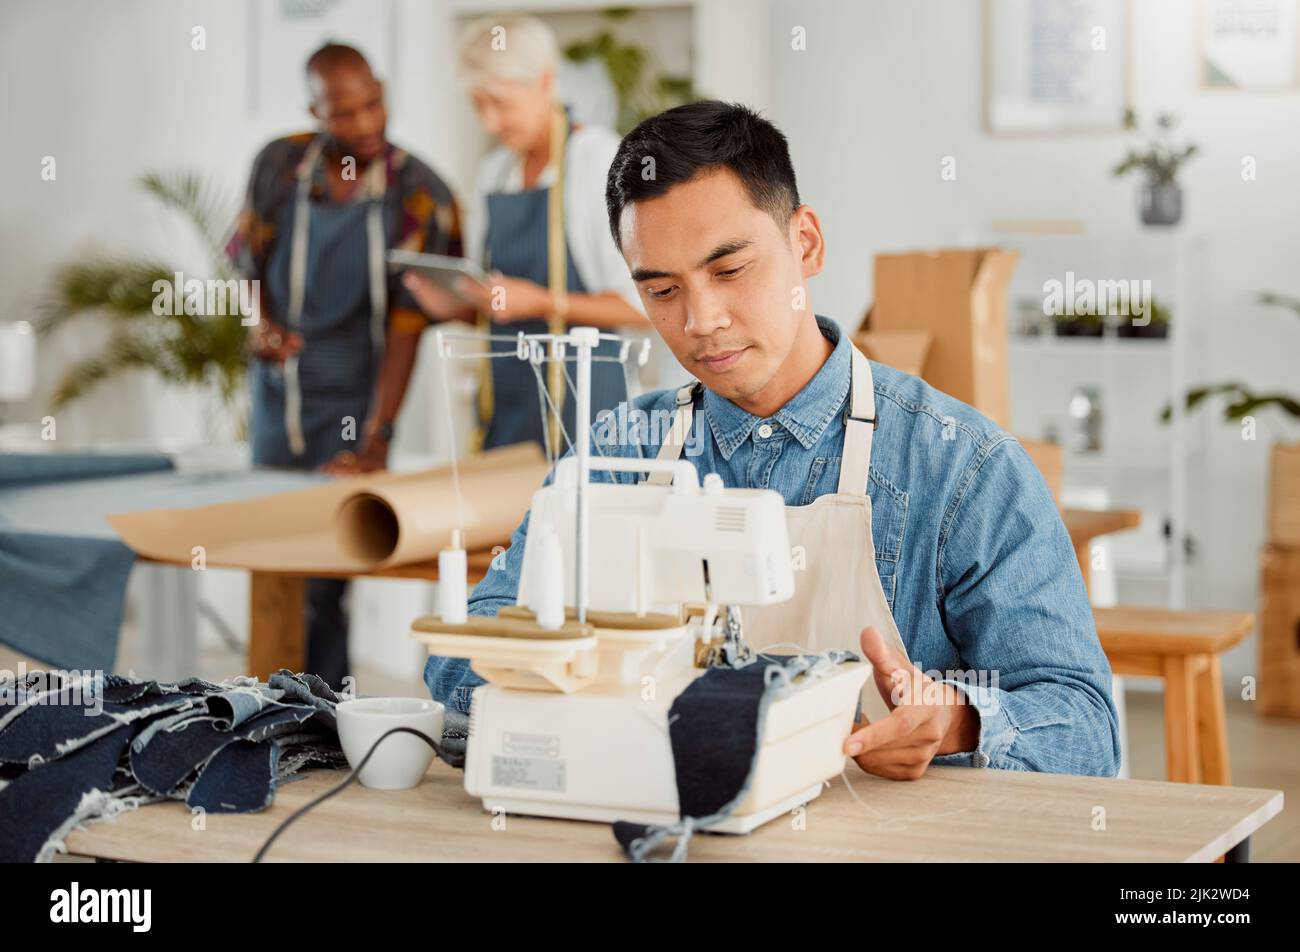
x,y
837,590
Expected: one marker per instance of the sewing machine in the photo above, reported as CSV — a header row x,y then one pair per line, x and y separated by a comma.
x,y
629,591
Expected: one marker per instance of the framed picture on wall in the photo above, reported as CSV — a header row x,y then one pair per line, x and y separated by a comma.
x,y
1249,44
283,33
1055,66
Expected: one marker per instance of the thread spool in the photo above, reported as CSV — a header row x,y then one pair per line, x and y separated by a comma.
x,y
546,587
453,595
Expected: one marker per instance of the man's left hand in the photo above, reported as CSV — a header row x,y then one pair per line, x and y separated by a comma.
x,y
926,717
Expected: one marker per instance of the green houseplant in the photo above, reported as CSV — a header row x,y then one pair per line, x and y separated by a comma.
x,y
1157,324
1242,400
1161,197
195,350
1079,325
641,90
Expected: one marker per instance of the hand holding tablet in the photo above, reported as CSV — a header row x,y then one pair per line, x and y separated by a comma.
x,y
441,270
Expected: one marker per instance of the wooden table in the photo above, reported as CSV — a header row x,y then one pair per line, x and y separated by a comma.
x,y
950,814
276,636
1084,525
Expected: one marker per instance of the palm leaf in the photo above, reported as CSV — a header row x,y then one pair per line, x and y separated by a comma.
x,y
124,352
1252,403
1275,299
121,287
198,200
1242,401
1199,395
186,349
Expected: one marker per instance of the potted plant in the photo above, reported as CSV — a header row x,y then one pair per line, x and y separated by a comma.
x,y
1079,325
1242,400
642,90
1161,197
1157,325
188,349
1284,505
1279,631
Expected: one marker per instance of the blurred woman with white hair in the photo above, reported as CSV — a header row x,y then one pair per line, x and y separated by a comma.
x,y
538,221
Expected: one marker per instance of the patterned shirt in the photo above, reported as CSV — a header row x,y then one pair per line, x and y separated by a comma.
x,y
421,213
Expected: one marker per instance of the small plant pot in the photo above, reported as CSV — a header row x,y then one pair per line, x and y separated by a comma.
x,y
1079,328
1151,330
1161,203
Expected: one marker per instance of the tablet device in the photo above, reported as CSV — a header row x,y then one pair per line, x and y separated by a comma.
x,y
442,270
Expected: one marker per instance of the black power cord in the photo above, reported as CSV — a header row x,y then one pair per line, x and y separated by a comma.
x,y
455,760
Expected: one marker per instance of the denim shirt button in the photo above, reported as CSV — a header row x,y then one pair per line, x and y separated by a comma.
x,y
981,759
765,430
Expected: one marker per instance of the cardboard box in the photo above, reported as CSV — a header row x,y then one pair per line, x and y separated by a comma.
x,y
1279,632
1050,460
1284,495
902,350
958,298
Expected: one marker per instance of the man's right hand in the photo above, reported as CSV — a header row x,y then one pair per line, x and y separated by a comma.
x,y
270,342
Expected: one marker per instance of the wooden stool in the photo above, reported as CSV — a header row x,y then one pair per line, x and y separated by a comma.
x,y
1183,647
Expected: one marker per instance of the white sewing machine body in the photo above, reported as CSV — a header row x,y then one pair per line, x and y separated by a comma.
x,y
574,720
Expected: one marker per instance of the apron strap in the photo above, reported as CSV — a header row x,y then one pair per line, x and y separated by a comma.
x,y
557,267
859,427
675,439
298,292
374,186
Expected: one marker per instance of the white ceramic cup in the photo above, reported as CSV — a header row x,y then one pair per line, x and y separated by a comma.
x,y
400,761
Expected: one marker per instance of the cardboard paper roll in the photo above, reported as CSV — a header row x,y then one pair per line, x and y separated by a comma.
x,y
348,525
410,518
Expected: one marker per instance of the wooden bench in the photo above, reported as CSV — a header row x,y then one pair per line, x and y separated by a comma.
x,y
1183,648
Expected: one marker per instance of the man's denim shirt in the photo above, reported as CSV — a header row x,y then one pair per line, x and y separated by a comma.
x,y
974,559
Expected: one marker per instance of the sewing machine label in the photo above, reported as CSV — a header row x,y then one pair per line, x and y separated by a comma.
x,y
530,773
530,745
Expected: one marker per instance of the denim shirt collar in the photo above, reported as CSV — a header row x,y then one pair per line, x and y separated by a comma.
x,y
805,416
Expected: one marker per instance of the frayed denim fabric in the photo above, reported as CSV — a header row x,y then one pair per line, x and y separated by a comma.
x,y
78,748
714,727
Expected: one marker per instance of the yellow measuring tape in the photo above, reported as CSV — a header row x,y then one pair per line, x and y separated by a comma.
x,y
557,280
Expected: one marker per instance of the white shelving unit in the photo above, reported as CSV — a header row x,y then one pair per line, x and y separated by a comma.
x,y
1143,463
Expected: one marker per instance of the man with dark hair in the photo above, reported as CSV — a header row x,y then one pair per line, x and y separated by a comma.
x,y
925,537
333,351
704,135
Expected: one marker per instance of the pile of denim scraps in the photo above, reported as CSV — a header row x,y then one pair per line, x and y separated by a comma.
x,y
81,747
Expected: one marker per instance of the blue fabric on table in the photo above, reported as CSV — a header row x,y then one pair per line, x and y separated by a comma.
x,y
63,571
73,587
79,749
22,469
63,598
